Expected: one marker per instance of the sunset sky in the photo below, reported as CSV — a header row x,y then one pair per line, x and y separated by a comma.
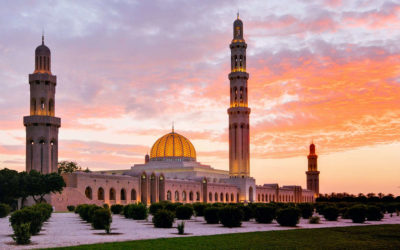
x,y
327,71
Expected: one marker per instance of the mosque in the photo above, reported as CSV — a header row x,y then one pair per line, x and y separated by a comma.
x,y
171,171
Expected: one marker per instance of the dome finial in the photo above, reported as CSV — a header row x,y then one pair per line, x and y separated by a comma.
x,y
43,37
238,14
172,126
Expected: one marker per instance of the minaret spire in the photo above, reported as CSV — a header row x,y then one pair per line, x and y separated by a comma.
x,y
172,127
43,37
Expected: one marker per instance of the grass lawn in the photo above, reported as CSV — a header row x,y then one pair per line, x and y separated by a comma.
x,y
358,237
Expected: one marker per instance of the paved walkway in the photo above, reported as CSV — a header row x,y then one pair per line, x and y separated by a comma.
x,y
67,229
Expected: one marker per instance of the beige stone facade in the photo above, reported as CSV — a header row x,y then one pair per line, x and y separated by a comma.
x,y
171,171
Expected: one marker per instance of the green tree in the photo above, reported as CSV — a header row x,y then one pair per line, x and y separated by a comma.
x,y
9,186
38,185
68,167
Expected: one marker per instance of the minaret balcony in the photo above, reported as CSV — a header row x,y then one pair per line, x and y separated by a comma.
x,y
42,77
238,75
42,120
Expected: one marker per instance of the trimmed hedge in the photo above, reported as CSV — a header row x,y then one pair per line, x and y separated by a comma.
x,y
199,208
357,213
231,216
288,217
117,208
331,213
153,209
265,214
163,218
211,215
4,210
22,235
374,213
306,209
102,219
184,212
71,208
30,216
136,211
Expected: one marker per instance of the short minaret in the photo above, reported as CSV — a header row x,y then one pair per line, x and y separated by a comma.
x,y
42,126
239,130
313,173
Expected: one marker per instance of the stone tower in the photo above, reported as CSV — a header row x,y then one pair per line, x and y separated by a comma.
x,y
41,125
239,133
239,112
313,173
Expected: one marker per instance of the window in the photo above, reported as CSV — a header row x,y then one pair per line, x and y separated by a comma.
x,y
100,194
184,196
133,194
88,192
210,196
191,196
112,194
42,104
221,196
176,196
123,195
197,196
168,195
232,197
216,197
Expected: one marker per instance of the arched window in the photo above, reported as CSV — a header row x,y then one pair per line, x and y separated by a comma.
x,y
259,197
210,196
191,196
221,197
169,195
100,194
216,197
33,106
232,197
237,197
42,105
262,197
227,197
184,196
88,192
112,194
176,196
123,195
51,109
197,196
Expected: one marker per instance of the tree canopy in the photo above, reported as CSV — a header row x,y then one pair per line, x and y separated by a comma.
x,y
68,167
14,185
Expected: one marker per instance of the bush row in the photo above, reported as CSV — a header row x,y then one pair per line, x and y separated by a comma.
x,y
29,221
98,217
4,210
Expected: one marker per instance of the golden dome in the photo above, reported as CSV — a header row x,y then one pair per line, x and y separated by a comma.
x,y
173,147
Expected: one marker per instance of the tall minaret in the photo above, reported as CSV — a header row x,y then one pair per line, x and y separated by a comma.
x,y
239,139
42,126
313,173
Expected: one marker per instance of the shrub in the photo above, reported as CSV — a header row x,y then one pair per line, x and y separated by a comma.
x,y
153,209
90,213
357,213
330,213
79,208
172,206
248,212
117,208
22,233
306,210
390,208
44,209
199,208
102,219
30,216
314,220
181,228
344,212
231,216
71,208
4,210
184,212
374,213
319,207
136,211
106,206
265,214
211,215
163,218
288,216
